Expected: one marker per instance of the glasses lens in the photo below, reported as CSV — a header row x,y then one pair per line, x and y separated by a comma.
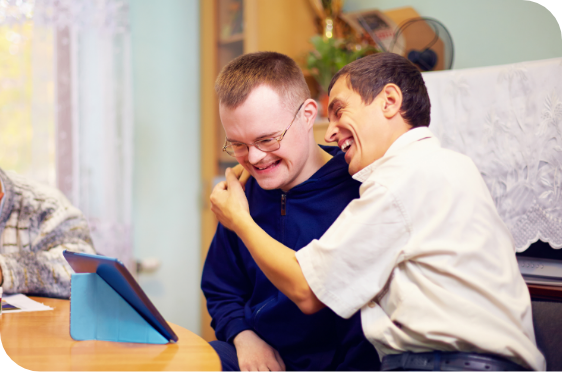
x,y
268,144
236,149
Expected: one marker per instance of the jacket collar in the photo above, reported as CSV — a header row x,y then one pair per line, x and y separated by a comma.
x,y
330,174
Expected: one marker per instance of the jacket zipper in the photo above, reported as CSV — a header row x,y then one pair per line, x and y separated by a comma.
x,y
283,204
260,309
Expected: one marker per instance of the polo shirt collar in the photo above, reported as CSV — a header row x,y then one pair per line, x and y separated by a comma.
x,y
411,136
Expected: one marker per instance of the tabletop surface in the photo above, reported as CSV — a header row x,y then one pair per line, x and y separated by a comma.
x,y
41,341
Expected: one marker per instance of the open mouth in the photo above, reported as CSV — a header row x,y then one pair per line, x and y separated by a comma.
x,y
347,144
267,167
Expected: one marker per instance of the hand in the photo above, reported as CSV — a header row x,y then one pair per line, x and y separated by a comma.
x,y
254,354
242,174
1,277
228,201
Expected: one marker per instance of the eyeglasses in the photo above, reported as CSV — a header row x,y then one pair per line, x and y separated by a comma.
x,y
239,149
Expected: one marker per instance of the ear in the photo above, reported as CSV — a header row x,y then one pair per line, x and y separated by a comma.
x,y
392,100
309,111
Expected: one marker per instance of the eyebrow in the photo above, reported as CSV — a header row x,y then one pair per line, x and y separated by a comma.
x,y
263,136
269,135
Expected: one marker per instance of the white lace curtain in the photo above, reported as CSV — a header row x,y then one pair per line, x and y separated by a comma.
x,y
81,113
508,119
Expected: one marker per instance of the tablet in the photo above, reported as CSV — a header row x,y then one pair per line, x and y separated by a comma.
x,y
120,279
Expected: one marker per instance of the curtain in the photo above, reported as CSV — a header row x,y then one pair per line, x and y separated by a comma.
x,y
508,119
70,108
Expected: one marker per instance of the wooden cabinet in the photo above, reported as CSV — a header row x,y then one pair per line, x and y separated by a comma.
x,y
283,26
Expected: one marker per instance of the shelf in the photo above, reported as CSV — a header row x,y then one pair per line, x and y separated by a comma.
x,y
236,38
545,292
321,122
283,26
320,127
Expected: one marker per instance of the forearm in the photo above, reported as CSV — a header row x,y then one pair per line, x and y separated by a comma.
x,y
43,272
278,263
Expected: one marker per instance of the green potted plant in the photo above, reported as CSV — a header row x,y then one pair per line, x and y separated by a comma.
x,y
328,57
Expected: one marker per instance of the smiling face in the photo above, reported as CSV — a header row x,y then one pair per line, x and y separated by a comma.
x,y
363,132
261,116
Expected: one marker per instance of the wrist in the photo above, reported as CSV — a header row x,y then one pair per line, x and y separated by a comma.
x,y
243,223
240,337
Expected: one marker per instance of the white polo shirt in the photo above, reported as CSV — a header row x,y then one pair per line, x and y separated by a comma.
x,y
425,256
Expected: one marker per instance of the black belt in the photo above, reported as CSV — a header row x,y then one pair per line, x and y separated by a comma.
x,y
447,361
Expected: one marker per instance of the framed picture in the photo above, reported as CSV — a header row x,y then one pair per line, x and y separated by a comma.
x,y
380,28
231,19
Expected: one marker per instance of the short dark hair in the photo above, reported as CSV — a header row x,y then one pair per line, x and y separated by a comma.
x,y
241,75
367,77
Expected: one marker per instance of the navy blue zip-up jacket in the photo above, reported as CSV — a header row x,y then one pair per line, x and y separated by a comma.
x,y
240,297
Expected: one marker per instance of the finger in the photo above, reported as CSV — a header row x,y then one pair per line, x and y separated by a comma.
x,y
244,178
217,190
248,365
280,361
232,180
273,366
221,186
245,368
238,169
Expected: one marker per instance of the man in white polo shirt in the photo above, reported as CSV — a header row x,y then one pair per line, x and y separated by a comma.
x,y
423,253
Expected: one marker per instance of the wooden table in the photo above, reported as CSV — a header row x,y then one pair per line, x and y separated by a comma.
x,y
41,341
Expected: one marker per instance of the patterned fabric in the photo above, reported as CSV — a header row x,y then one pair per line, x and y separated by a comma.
x,y
37,223
508,120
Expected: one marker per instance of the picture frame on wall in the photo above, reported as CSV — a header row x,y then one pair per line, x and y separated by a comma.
x,y
379,27
232,20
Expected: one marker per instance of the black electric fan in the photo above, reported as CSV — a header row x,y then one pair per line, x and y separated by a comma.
x,y
427,53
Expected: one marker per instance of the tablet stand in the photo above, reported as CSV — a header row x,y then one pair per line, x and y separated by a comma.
x,y
97,312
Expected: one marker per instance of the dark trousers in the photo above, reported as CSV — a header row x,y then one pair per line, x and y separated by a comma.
x,y
447,361
227,355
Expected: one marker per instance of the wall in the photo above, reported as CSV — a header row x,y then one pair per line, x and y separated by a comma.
x,y
486,32
165,59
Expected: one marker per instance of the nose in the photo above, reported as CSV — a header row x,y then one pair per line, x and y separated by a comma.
x,y
255,155
331,132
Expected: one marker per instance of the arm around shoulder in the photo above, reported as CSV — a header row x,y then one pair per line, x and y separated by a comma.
x,y
278,262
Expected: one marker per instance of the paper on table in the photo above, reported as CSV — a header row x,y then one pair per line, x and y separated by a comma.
x,y
23,303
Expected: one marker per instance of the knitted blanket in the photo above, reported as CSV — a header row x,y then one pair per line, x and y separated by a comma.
x,y
37,223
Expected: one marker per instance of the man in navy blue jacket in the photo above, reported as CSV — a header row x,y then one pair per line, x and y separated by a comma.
x,y
296,192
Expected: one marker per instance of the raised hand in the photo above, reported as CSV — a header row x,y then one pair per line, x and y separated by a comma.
x,y
242,174
229,202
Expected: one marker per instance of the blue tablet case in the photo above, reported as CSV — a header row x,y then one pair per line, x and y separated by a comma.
x,y
97,312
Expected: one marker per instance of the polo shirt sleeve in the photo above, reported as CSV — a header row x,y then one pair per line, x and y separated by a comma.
x,y
354,259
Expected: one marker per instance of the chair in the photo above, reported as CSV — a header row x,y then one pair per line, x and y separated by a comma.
x,y
547,319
